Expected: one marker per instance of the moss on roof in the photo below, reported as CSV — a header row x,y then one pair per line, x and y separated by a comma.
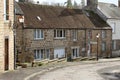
x,y
59,17
96,19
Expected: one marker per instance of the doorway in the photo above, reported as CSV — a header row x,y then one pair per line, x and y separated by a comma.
x,y
6,54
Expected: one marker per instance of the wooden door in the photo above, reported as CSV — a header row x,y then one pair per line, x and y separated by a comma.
x,y
6,54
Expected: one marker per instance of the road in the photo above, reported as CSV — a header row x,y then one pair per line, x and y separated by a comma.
x,y
94,71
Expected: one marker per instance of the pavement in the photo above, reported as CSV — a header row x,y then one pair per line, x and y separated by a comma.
x,y
28,73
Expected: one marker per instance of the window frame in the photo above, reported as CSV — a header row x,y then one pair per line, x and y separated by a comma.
x,y
38,34
59,33
77,55
47,54
90,34
74,35
6,10
103,46
104,34
38,54
114,47
41,54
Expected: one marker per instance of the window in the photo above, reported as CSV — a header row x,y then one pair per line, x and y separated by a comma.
x,y
38,54
59,33
90,34
6,9
103,34
41,54
38,34
114,45
75,52
74,35
47,53
103,46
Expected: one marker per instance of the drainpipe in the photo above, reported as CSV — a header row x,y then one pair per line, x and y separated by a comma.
x,y
14,32
14,48
85,43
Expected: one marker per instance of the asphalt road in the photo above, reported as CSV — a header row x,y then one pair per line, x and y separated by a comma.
x,y
94,71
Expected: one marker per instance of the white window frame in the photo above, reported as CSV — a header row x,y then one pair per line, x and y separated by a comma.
x,y
41,54
47,53
74,35
103,34
38,34
114,45
76,54
103,46
38,54
5,10
58,35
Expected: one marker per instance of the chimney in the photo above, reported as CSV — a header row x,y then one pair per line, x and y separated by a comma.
x,y
92,4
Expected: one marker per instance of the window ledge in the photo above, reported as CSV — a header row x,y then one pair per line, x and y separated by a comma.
x,y
6,21
59,38
39,39
74,40
75,57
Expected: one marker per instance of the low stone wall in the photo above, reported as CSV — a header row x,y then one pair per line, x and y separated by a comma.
x,y
46,61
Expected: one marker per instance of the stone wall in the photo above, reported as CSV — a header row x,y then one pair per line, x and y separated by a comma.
x,y
6,31
49,42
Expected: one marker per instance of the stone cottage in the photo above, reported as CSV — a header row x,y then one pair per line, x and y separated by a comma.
x,y
111,14
6,35
48,32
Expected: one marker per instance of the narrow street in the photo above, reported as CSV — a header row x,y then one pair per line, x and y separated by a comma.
x,y
94,71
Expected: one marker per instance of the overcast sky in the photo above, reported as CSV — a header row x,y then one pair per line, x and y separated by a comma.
x,y
78,1
62,1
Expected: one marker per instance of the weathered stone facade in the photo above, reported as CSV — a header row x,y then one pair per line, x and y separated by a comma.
x,y
6,36
26,44
75,30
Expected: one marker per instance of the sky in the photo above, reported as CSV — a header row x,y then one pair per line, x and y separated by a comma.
x,y
78,1
62,1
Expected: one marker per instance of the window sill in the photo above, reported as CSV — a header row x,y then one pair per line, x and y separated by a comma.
x,y
38,39
6,21
75,57
60,38
74,40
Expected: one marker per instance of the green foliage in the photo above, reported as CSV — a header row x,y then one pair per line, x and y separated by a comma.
x,y
75,4
69,4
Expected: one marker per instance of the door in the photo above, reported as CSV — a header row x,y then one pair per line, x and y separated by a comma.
x,y
6,54
59,53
